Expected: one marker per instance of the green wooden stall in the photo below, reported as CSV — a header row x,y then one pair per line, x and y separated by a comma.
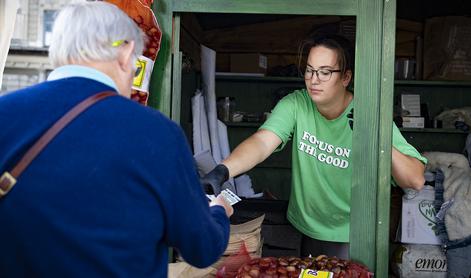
x,y
374,86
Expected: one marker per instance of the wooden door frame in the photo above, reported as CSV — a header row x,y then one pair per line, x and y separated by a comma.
x,y
373,86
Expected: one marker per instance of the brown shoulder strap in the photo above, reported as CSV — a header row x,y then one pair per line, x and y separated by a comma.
x,y
8,179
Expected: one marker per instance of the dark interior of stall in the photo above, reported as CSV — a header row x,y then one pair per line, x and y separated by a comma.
x,y
257,64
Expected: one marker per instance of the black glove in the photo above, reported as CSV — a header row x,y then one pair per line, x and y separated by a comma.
x,y
212,182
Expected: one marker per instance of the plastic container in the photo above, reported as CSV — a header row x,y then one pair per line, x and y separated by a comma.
x,y
225,107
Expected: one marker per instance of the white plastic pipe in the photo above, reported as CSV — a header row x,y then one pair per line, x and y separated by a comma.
x,y
8,11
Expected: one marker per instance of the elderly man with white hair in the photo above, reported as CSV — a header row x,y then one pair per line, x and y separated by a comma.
x,y
116,186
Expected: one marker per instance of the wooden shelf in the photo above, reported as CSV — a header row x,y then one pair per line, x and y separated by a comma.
x,y
402,129
433,83
443,83
432,130
236,77
244,78
244,124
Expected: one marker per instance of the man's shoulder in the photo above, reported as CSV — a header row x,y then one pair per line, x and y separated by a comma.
x,y
64,85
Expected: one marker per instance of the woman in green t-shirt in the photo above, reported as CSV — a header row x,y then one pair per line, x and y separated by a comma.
x,y
319,121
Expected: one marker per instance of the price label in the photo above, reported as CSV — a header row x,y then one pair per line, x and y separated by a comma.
x,y
141,79
309,273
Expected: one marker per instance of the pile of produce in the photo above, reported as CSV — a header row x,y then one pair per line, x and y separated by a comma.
x,y
141,12
290,267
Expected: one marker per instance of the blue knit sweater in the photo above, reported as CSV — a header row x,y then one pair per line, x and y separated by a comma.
x,y
107,197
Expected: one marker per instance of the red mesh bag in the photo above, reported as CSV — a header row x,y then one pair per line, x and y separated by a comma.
x,y
141,12
231,264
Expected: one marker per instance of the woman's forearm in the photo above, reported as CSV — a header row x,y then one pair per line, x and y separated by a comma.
x,y
251,152
408,172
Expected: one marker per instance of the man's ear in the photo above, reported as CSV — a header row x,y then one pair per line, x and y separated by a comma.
x,y
126,55
346,78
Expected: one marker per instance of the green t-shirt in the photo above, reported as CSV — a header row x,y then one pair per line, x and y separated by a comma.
x,y
319,205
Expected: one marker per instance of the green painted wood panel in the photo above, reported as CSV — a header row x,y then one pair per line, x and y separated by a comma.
x,y
190,82
160,83
365,146
280,159
433,97
385,135
253,95
301,7
176,70
434,83
176,86
432,141
276,181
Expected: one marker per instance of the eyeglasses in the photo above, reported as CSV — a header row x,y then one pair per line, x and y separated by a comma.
x,y
322,74
137,64
119,43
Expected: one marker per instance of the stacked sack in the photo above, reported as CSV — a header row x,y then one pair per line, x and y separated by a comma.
x,y
245,243
247,234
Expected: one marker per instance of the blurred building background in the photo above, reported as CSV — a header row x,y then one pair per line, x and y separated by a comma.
x,y
27,62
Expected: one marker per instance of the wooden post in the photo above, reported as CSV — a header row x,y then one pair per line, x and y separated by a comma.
x,y
176,70
385,138
160,83
369,126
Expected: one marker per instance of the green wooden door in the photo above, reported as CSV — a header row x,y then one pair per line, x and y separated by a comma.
x,y
373,100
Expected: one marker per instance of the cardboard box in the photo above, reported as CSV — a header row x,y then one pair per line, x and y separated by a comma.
x,y
447,48
248,63
410,105
413,122
419,261
418,223
407,32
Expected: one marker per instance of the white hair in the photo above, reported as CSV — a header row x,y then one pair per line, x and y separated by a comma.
x,y
86,31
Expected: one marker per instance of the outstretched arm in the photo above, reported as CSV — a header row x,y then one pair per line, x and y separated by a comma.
x,y
251,152
408,172
198,229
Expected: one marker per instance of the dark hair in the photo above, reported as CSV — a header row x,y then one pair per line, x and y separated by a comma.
x,y
338,43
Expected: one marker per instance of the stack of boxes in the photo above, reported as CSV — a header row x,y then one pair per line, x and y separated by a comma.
x,y
418,218
410,105
420,254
